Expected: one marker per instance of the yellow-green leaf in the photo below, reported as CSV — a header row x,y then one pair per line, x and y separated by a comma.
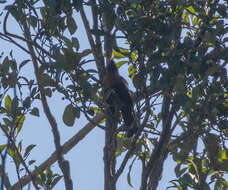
x,y
191,9
8,103
117,55
224,155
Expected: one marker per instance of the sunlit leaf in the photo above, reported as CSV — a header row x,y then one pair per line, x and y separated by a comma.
x,y
120,63
191,9
2,147
8,103
129,179
117,55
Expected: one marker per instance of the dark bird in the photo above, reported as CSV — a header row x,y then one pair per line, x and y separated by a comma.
x,y
119,97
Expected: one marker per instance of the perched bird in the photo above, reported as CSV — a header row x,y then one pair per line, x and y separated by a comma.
x,y
119,97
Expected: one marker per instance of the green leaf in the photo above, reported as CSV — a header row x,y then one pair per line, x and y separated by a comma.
x,y
35,112
31,162
55,181
71,24
184,101
8,103
19,146
191,163
27,102
195,20
191,9
50,4
46,80
19,121
75,43
48,92
87,88
97,32
14,12
129,173
34,91
186,179
129,179
11,152
43,12
7,121
23,63
68,42
117,55
2,147
68,115
33,21
86,52
179,171
120,63
91,112
28,150
15,105
134,56
76,112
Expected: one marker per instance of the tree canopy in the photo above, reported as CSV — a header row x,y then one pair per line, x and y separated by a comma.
x,y
175,53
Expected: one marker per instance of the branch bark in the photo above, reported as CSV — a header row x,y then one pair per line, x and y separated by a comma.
x,y
152,172
98,59
63,164
6,179
67,146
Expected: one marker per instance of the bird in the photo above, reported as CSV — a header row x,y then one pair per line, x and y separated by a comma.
x,y
119,97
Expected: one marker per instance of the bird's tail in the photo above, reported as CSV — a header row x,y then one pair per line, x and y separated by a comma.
x,y
129,120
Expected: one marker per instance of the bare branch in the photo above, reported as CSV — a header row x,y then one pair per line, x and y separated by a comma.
x,y
72,143
128,154
67,146
63,164
21,38
6,179
99,62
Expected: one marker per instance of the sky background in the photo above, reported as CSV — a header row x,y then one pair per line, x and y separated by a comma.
x,y
86,159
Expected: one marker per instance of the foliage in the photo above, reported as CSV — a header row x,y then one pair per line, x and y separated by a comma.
x,y
176,54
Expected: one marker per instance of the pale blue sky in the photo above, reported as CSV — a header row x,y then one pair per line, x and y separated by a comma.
x,y
86,159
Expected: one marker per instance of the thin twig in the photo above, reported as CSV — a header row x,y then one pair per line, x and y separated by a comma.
x,y
99,63
20,157
6,181
21,38
67,146
63,164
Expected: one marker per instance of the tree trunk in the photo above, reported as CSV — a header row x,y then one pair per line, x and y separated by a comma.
x,y
109,153
152,173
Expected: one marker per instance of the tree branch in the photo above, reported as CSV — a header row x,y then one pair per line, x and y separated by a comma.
x,y
128,154
23,39
32,178
63,164
99,62
6,179
67,146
